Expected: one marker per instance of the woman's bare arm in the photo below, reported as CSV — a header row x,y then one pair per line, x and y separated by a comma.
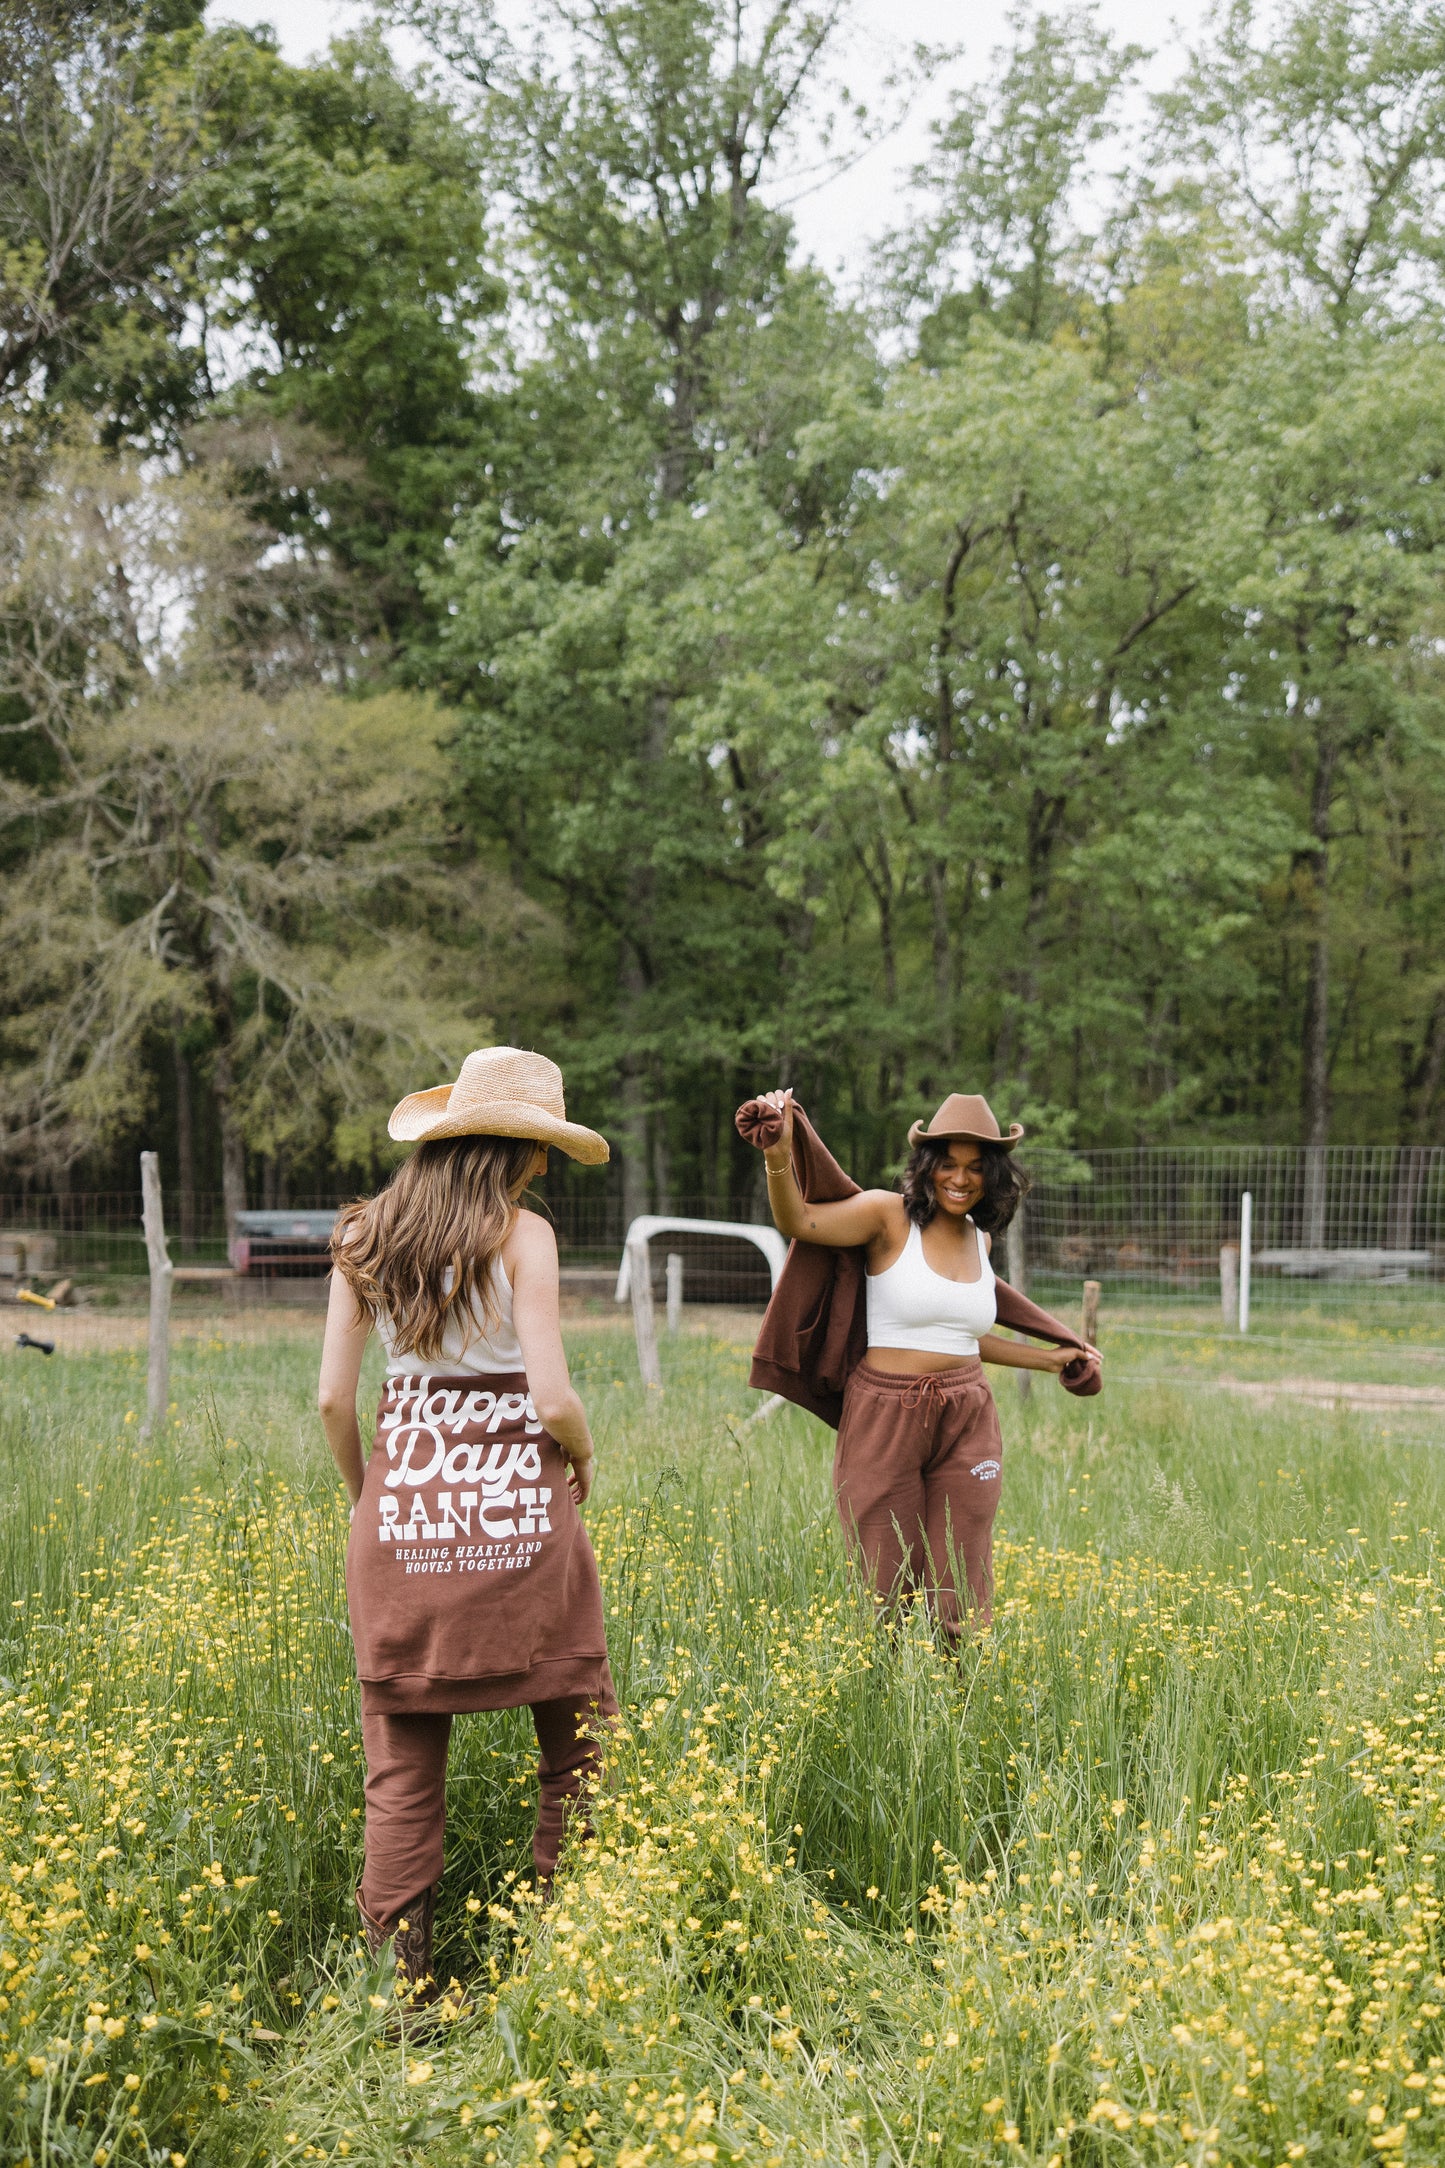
x,y
846,1225
1019,1355
531,1259
347,1328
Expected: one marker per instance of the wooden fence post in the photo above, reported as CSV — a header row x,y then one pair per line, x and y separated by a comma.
x,y
1229,1283
1089,1321
158,1366
1016,1266
644,1319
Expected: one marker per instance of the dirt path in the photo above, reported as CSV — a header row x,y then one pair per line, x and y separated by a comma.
x,y
111,1332
114,1332
1334,1392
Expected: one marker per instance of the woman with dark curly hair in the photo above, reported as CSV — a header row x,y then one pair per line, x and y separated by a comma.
x,y
919,1459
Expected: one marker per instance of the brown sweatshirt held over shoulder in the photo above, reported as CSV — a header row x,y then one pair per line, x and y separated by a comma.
x,y
815,1332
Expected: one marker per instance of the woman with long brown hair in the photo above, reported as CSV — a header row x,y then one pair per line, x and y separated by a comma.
x,y
469,1577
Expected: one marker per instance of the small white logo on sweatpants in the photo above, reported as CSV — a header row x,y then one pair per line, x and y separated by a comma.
x,y
986,1470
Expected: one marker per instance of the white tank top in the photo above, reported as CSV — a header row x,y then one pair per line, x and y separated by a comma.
x,y
470,1348
910,1305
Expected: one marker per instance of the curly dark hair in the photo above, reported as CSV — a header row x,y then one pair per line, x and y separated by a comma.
x,y
1005,1184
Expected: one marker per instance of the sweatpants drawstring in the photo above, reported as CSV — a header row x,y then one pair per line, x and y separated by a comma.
x,y
925,1392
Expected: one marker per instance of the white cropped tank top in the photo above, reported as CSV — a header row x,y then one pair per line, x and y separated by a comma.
x,y
910,1305
470,1348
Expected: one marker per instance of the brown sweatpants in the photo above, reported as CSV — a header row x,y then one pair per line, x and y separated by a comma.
x,y
406,1770
917,1475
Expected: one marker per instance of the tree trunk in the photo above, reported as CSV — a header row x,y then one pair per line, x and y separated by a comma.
x,y
943,970
712,1155
944,975
634,1142
661,1159
1430,1070
1315,1060
1421,1082
1411,1165
185,1147
1012,1052
641,898
633,1094
1001,1062
233,1147
1315,1076
880,883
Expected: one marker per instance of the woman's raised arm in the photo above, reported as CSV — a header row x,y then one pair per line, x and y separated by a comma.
x,y
846,1225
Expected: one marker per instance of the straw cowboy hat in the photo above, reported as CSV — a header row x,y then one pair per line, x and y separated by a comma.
x,y
502,1091
967,1118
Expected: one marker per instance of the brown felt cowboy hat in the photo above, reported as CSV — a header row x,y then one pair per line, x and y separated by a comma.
x,y
502,1091
965,1118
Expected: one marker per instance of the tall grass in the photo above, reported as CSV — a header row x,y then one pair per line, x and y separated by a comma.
x,y
1151,1873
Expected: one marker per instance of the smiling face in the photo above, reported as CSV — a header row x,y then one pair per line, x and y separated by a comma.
x,y
958,1179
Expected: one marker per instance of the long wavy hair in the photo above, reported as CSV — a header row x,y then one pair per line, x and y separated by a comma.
x,y
1005,1184
447,1209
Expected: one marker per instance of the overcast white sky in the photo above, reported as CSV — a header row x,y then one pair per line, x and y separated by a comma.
x,y
837,220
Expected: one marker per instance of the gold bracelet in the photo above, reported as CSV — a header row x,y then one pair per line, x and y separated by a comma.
x,y
778,1170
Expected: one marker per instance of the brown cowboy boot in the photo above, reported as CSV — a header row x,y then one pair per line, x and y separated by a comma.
x,y
411,1938
377,1936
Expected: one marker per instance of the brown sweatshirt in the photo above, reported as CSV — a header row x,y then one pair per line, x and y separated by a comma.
x,y
815,1332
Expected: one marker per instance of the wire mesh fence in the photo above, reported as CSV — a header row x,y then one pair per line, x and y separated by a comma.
x,y
96,1234
1346,1224
1341,1227
280,1254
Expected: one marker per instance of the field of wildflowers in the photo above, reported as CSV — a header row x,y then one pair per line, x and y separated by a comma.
x,y
1153,1875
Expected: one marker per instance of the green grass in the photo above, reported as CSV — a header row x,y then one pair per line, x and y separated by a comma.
x,y
1411,1310
1152,1874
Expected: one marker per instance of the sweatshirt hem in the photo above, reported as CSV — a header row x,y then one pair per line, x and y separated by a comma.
x,y
419,1693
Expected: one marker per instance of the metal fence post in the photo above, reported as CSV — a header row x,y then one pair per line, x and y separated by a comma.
x,y
158,1364
674,1291
1246,1237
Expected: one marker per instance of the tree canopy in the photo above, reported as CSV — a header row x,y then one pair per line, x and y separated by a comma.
x,y
466,573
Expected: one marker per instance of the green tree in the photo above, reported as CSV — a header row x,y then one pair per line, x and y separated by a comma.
x,y
634,145
106,124
191,228
1326,542
1037,565
1056,704
1317,128
266,889
343,246
1000,233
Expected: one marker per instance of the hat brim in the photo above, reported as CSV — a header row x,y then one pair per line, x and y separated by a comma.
x,y
423,1117
920,1133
